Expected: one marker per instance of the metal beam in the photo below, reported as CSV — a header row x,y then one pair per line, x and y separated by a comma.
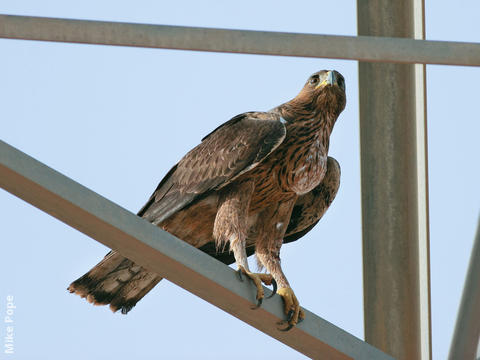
x,y
467,329
363,48
170,257
394,188
422,189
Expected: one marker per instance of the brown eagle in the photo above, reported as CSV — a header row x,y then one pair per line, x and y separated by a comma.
x,y
257,181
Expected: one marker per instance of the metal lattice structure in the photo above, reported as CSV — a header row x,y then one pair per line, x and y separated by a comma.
x,y
393,49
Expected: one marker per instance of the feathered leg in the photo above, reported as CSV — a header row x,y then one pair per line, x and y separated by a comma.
x,y
269,241
231,227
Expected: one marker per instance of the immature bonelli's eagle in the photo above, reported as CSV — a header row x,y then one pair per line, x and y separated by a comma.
x,y
255,182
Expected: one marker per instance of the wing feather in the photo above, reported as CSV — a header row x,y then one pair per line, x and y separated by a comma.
x,y
229,151
310,207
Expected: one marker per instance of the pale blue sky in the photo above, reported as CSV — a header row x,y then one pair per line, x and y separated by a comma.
x,y
116,119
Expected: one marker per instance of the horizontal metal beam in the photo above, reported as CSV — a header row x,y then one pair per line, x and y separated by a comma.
x,y
363,48
467,329
168,256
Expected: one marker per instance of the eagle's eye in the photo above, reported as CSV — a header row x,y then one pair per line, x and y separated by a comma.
x,y
313,80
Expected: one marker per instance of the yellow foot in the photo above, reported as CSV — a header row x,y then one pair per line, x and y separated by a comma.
x,y
257,279
292,308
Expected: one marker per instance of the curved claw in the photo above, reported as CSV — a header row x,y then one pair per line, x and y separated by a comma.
x,y
289,327
239,273
274,290
259,303
289,318
294,314
290,315
258,279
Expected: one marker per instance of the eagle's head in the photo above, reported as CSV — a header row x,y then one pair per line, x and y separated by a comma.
x,y
323,93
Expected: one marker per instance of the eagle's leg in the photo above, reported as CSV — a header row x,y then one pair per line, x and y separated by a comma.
x,y
270,238
231,228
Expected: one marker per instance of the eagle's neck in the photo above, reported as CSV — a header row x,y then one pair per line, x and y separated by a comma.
x,y
306,121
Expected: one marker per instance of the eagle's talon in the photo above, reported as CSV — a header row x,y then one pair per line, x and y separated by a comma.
x,y
274,290
290,315
259,303
292,308
239,273
258,279
289,327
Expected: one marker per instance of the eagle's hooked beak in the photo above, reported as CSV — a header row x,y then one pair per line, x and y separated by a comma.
x,y
330,80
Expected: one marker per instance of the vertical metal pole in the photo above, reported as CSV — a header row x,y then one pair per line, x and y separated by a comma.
x,y
394,187
467,329
422,188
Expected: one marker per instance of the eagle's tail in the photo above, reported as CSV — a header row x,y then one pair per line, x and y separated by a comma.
x,y
116,281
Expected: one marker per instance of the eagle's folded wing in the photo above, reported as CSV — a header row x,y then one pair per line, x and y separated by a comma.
x,y
229,151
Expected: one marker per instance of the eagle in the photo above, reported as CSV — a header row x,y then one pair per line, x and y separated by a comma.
x,y
257,181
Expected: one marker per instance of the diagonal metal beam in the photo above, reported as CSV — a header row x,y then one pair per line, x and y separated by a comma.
x,y
465,342
363,48
170,257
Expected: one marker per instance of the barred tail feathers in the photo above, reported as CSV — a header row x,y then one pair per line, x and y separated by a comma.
x,y
116,281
